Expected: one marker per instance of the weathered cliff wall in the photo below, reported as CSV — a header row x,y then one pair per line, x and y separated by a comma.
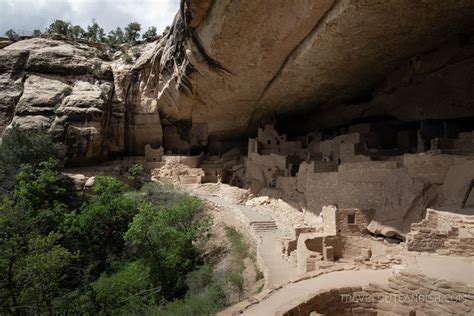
x,y
242,61
223,66
64,89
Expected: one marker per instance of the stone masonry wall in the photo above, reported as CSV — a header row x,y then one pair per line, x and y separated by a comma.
x,y
405,294
444,233
362,219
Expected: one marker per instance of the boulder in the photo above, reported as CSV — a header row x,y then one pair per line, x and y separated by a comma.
x,y
404,201
41,95
10,92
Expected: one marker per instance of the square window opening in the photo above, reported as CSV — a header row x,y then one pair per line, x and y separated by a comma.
x,y
351,218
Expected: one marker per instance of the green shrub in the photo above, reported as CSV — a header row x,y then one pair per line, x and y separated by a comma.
x,y
45,195
236,281
98,226
205,296
239,248
159,194
200,279
135,174
125,291
259,275
127,58
19,147
164,238
136,52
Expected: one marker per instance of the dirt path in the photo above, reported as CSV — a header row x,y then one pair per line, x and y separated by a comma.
x,y
279,269
294,291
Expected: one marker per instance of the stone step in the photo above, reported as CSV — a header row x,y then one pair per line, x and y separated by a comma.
x,y
264,226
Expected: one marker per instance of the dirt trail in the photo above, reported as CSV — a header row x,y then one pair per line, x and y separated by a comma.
x,y
294,291
279,269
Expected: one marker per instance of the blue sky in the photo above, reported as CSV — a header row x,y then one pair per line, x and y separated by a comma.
x,y
29,15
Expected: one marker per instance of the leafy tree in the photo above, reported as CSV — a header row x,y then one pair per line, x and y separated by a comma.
x,y
36,33
77,32
150,34
206,295
95,33
164,238
135,174
127,291
20,147
32,266
41,272
44,194
60,27
100,223
115,38
12,35
132,32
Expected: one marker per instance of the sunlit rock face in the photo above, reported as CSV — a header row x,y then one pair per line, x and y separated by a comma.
x,y
61,88
224,66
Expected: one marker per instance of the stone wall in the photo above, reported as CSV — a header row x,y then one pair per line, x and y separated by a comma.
x,y
463,145
405,294
265,168
358,184
346,227
356,246
399,192
346,222
287,186
444,233
313,247
321,189
152,154
431,168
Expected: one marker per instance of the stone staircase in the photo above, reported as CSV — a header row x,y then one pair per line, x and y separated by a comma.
x,y
264,226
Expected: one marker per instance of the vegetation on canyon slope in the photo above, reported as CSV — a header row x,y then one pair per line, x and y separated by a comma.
x,y
109,250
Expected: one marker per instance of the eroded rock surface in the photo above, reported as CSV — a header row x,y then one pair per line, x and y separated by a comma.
x,y
240,62
62,88
224,66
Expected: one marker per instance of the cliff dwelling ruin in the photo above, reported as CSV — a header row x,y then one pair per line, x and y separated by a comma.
x,y
340,135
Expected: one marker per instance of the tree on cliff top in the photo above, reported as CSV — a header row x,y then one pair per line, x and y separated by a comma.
x,y
132,32
60,27
150,34
115,38
95,33
12,35
77,31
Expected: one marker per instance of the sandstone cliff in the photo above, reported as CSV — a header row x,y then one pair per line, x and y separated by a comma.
x,y
223,66
61,88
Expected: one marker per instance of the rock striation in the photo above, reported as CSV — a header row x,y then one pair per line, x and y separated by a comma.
x,y
222,67
64,89
228,65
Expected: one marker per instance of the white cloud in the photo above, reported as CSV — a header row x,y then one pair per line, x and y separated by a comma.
x,y
28,15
